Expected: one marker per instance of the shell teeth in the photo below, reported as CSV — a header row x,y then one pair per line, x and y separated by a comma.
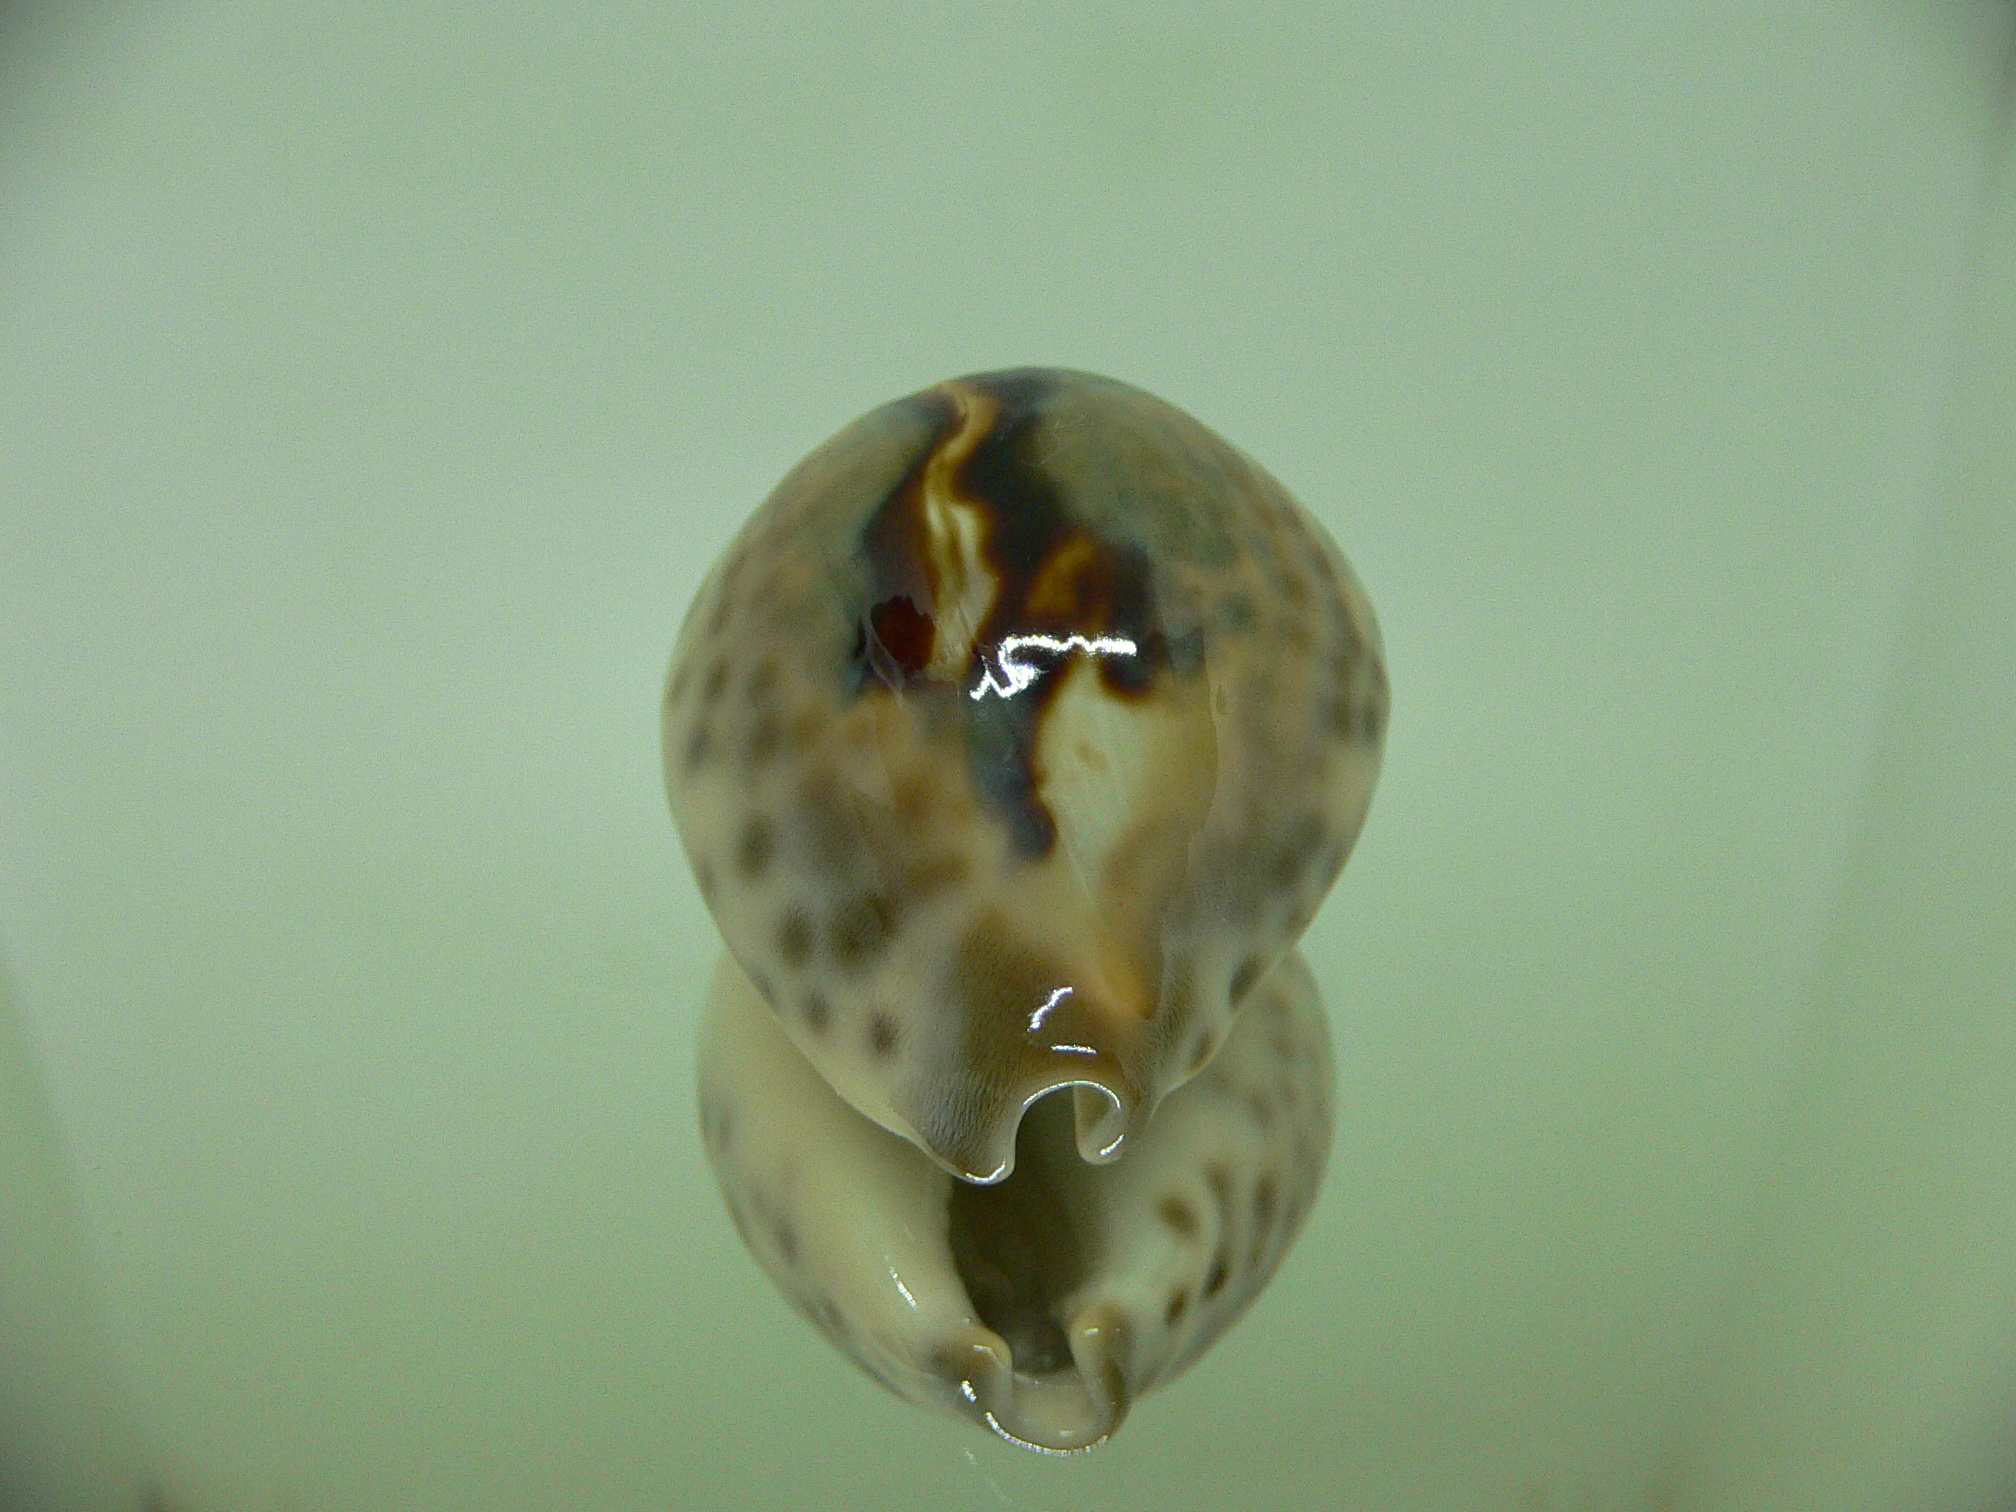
x,y
1042,1306
1100,1123
1068,1411
1099,1340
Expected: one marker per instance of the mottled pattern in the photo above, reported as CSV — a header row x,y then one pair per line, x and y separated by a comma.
x,y
968,847
1044,1306
1014,741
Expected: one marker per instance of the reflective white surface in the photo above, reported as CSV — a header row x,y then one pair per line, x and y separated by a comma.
x,y
378,384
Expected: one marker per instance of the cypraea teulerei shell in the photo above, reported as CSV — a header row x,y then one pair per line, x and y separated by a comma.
x,y
1014,741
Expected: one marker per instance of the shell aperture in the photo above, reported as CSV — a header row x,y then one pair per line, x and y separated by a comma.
x,y
1014,741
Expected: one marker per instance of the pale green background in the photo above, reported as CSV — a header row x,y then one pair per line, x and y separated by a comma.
x,y
377,380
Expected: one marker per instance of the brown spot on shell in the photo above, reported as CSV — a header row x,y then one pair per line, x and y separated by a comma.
x,y
794,937
1178,1214
1298,847
1221,1271
754,848
1179,1303
862,928
881,1034
817,1012
699,745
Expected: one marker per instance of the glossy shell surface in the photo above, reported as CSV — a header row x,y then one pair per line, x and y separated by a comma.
x,y
1044,1305
1014,741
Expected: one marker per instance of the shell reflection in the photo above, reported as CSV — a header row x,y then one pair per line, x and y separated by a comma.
x,y
1014,742
1044,1304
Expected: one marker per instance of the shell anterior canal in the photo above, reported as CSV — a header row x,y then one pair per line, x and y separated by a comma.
x,y
1018,1245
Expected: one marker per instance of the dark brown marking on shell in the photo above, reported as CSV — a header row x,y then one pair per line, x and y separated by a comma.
x,y
1052,578
717,679
1297,848
1220,1273
787,1241
817,1012
699,745
896,640
862,928
1178,1214
794,937
881,1035
753,849
1372,722
676,688
1179,1303
892,543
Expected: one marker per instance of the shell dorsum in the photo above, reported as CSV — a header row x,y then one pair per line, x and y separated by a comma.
x,y
1014,741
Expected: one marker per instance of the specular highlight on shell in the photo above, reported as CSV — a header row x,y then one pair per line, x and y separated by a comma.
x,y
1014,741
